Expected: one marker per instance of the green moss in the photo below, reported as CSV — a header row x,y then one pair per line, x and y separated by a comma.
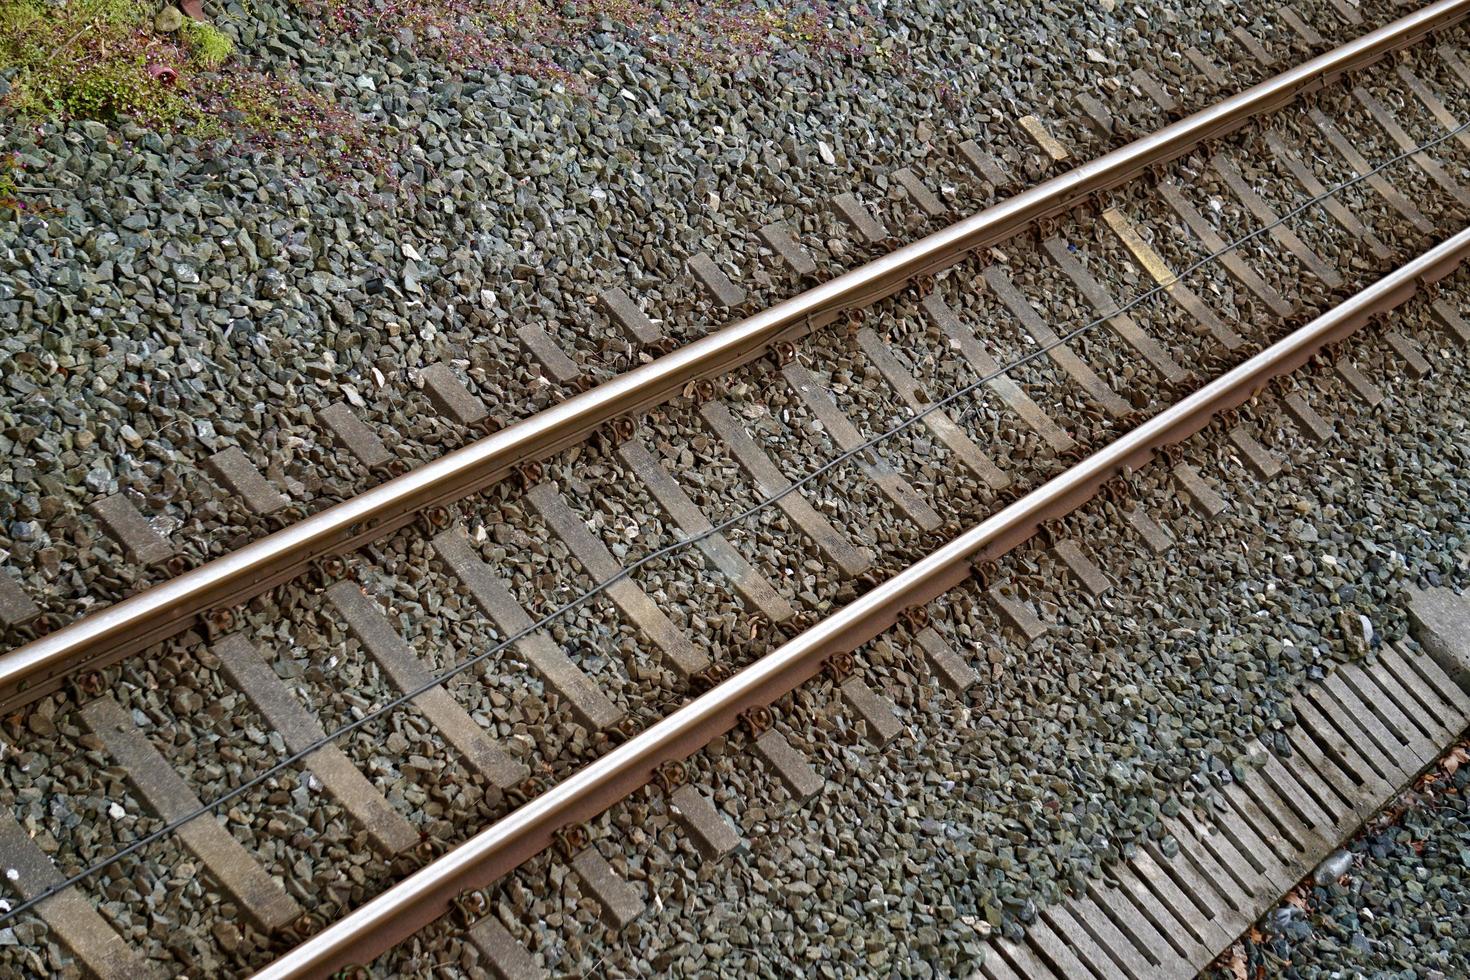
x,y
208,46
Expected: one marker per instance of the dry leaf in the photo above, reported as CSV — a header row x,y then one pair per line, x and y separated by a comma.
x,y
1237,962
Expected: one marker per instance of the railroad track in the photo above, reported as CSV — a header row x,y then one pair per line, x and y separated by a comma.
x,y
720,581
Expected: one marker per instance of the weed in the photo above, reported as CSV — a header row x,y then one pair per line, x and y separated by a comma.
x,y
102,60
209,47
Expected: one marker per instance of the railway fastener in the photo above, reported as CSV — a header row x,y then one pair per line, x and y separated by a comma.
x,y
671,775
757,721
571,840
839,667
470,905
710,678
916,616
305,925
529,474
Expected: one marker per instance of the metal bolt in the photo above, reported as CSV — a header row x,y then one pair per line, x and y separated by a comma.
x,y
839,667
671,775
757,721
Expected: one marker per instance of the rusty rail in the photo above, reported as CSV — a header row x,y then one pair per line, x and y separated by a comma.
x,y
423,897
108,635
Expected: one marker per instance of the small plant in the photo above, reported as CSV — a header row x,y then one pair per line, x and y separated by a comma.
x,y
207,44
103,60
9,164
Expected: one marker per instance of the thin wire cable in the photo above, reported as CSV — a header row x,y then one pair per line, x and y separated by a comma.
x,y
599,588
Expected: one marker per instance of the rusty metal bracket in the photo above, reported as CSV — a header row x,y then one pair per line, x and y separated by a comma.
x,y
917,617
529,474
710,678
839,667
757,721
671,775
620,430
982,570
571,840
470,906
435,519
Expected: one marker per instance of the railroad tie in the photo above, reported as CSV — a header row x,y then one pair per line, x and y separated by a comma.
x,y
1155,91
403,668
819,401
557,670
1150,531
987,167
507,957
1385,118
354,435
1333,204
917,192
753,586
716,283
625,313
16,607
1060,354
450,396
70,916
1033,127
1018,615
1096,115
1269,219
237,474
599,565
779,237
169,797
877,712
1450,55
770,482
962,339
129,528
535,341
1358,382
709,830
1414,360
1450,319
621,904
1311,425
1348,11
1206,66
791,767
857,216
1153,263
937,420
248,670
1301,27
1206,498
1253,46
952,669
1263,461
1105,304
1431,101
1231,259
1083,569
1359,165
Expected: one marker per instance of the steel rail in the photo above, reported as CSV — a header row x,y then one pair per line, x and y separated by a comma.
x,y
424,896
106,636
